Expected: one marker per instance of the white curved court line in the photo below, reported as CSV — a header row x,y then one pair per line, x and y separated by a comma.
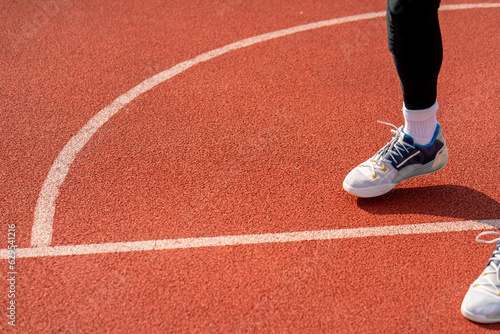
x,y
251,239
41,235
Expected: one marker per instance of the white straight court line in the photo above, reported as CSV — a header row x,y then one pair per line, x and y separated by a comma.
x,y
251,239
42,229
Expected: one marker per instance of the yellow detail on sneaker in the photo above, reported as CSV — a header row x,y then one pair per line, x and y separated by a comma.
x,y
384,169
374,176
475,285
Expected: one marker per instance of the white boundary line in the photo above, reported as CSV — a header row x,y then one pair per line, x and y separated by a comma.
x,y
42,229
251,239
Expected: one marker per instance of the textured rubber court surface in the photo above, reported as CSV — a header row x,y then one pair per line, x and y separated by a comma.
x,y
177,167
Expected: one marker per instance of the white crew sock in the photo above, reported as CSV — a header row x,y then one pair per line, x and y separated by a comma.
x,y
421,124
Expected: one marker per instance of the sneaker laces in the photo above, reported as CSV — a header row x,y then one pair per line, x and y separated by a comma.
x,y
494,262
391,150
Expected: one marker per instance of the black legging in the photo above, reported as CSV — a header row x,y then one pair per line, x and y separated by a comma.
x,y
414,40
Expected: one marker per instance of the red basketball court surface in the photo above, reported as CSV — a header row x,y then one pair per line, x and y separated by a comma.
x,y
177,167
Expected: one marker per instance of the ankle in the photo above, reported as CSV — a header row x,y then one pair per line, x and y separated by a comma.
x,y
421,124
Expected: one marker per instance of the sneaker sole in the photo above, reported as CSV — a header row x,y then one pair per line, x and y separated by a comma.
x,y
480,318
371,191
405,174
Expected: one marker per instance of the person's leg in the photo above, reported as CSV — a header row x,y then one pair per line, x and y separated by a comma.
x,y
414,39
419,148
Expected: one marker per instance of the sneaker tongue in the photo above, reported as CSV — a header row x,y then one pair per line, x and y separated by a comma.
x,y
495,259
408,139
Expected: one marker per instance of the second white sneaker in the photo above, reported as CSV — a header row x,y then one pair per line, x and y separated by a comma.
x,y
482,301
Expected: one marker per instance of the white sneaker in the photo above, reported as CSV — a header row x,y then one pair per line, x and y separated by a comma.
x,y
399,160
482,301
